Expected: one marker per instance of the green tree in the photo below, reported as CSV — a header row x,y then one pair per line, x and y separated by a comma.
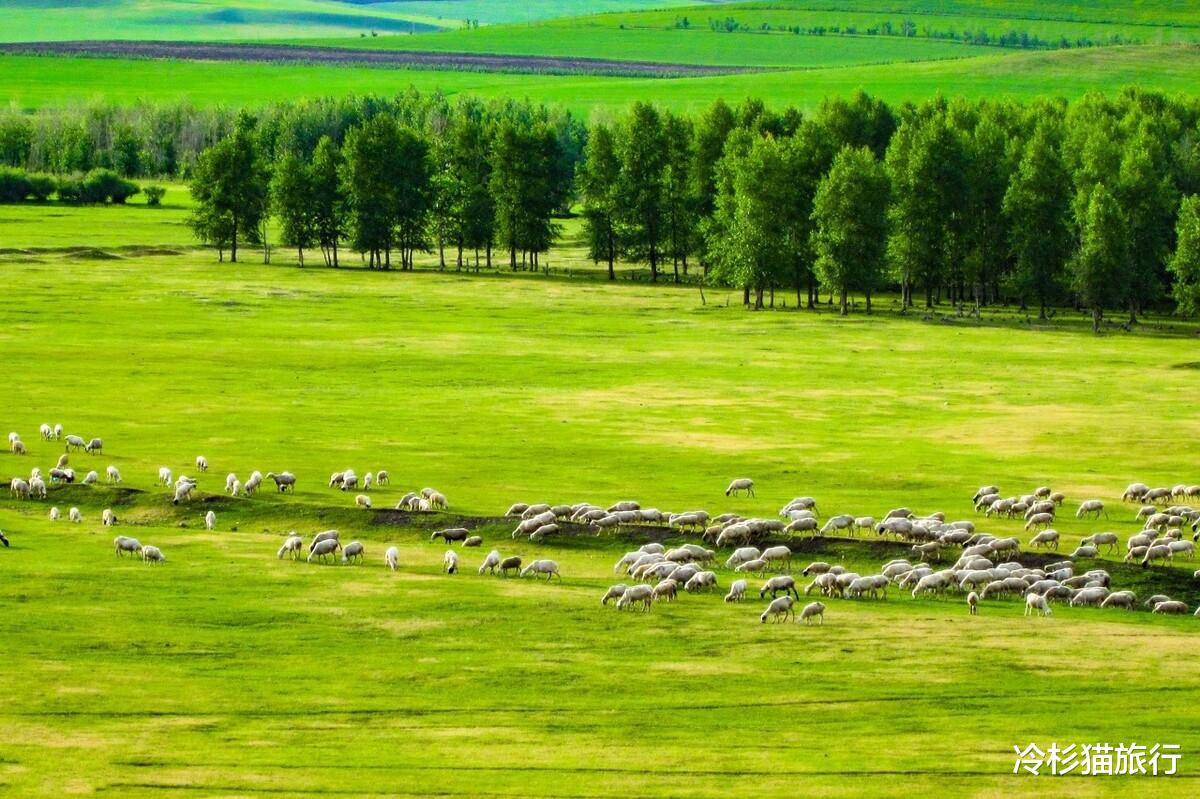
x,y
292,200
523,167
1146,192
230,187
642,149
1037,206
850,233
372,179
1100,268
1185,262
598,182
679,202
330,203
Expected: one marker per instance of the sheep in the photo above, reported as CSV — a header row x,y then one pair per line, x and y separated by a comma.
x,y
740,484
201,463
293,546
58,432
391,559
284,481
614,592
543,531
637,594
668,589
437,501
450,562
183,492
863,523
835,523
701,581
813,610
1037,602
1089,595
18,447
898,513
1186,547
124,544
931,550
108,518
210,520
336,479
451,535
1039,520
816,567
778,554
1091,506
1155,552
319,549
1134,491
775,585
349,480
363,501
94,447
984,491
737,591
46,431
325,535
546,567
931,584
491,562
973,603
1085,551
516,509
1120,599
1040,507
473,541
54,515
779,609
352,551
368,479
252,483
153,555
751,566
512,563
90,478
164,476
1101,539
74,515
804,525
74,442
1173,607
61,475
37,488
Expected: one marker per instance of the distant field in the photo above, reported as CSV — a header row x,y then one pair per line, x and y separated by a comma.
x,y
33,81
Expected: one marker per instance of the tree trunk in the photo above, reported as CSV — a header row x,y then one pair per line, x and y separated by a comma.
x,y
868,293
746,295
845,310
758,298
300,253
233,245
335,255
1097,317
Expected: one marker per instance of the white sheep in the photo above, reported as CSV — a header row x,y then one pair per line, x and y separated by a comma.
x,y
382,478
54,515
637,594
18,447
95,446
546,567
124,544
1091,506
90,478
368,479
779,609
363,501
973,603
73,442
391,559
58,432
46,431
450,562
1037,602
319,549
74,515
701,581
1046,538
813,610
108,518
614,592
201,463
210,520
740,484
353,551
252,483
490,562
778,554
284,481
164,476
293,546
232,484
153,555
37,488
737,591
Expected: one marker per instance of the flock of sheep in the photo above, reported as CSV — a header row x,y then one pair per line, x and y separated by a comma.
x,y
984,566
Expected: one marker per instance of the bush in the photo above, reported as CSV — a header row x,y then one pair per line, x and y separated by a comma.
x,y
154,194
41,187
14,185
102,185
70,189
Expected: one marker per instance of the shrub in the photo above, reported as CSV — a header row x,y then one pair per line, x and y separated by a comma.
x,y
154,194
41,187
14,185
102,185
70,189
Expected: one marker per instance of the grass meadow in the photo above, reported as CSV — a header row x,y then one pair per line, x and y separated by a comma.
x,y
228,672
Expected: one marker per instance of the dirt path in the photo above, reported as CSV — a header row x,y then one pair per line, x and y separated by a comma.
x,y
280,53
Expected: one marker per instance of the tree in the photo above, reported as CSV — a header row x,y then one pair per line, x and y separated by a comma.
x,y
1037,206
1100,269
372,177
523,164
230,187
642,149
850,216
678,200
598,176
292,199
1146,193
411,193
1185,262
330,203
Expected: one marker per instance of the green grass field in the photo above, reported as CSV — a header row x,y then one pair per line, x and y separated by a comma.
x,y
228,672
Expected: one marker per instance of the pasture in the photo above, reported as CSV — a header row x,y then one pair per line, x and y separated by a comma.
x,y
228,672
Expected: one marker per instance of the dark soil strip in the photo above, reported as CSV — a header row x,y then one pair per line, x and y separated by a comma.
x,y
284,54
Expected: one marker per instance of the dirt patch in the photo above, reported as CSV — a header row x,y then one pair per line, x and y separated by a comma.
x,y
279,53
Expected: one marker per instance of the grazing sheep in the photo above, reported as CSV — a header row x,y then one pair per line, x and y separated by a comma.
x,y
668,589
737,591
775,585
1186,547
779,609
934,583
74,515
973,603
382,478
803,525
37,488
1085,551
1120,599
319,549
1037,602
90,478
1039,520
543,531
758,565
1134,491
512,563
778,554
473,541
1160,552
437,501
1089,595
614,592
898,513
391,559
1172,607
353,551
813,610
740,484
210,520
325,535
125,544
153,555
18,447
73,442
1091,506
293,546
46,431
451,535
740,556
108,518
363,501
816,567
700,582
546,567
164,476
349,480
201,463
835,523
637,594
94,447
284,481
450,562
54,514
1101,539
491,562
232,484
368,479
183,492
